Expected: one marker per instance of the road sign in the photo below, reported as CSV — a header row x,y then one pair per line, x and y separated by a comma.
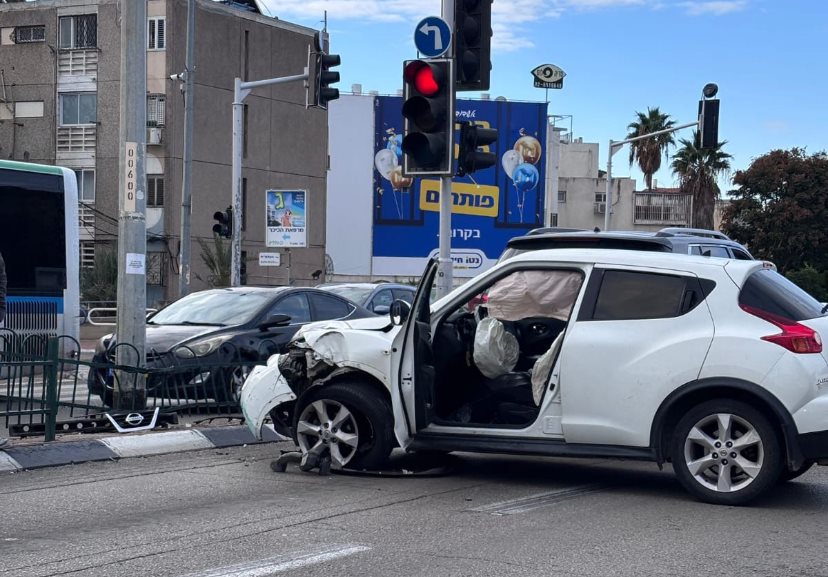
x,y
548,76
432,36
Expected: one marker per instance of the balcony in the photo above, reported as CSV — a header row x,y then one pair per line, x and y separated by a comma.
x,y
662,208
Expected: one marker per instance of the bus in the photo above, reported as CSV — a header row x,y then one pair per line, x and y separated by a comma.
x,y
39,243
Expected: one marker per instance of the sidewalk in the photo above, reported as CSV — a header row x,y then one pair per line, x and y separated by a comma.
x,y
24,454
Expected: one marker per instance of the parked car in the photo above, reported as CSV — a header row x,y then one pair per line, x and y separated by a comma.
x,y
716,365
224,326
376,297
679,240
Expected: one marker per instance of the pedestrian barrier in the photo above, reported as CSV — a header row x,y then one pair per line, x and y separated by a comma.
x,y
45,394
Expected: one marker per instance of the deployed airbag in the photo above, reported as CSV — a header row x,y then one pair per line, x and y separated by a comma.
x,y
495,350
534,293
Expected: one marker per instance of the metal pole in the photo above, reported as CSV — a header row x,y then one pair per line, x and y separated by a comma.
x,y
132,231
238,109
186,181
608,200
445,269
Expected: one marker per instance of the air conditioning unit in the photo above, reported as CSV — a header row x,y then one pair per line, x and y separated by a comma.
x,y
600,208
154,135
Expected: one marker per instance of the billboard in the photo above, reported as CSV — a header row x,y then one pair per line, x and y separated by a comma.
x,y
488,207
285,211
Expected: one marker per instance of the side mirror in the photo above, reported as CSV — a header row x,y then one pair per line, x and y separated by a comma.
x,y
382,309
399,312
275,321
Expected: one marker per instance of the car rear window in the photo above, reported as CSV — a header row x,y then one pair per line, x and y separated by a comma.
x,y
769,291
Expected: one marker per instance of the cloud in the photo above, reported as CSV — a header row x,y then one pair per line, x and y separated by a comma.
x,y
715,7
776,126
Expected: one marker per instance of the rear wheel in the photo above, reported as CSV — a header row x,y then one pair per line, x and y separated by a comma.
x,y
350,420
726,452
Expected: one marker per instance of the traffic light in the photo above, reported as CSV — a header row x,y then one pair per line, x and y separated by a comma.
x,y
473,41
709,123
469,158
320,77
428,109
224,223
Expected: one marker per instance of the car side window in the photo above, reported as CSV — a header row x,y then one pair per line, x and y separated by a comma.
x,y
295,306
740,254
710,250
328,307
407,296
382,298
626,295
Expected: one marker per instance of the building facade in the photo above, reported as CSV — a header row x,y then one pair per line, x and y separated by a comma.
x,y
59,104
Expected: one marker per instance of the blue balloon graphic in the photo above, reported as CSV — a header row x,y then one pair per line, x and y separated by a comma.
x,y
526,177
395,144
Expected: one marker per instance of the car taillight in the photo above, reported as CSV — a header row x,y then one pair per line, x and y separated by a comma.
x,y
795,337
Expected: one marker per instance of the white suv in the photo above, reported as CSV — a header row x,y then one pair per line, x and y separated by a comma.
x,y
714,365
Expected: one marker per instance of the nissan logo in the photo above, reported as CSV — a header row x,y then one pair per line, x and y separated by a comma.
x,y
134,419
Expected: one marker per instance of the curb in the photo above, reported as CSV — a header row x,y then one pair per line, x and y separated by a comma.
x,y
112,448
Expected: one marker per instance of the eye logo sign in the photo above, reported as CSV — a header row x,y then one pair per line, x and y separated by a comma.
x,y
548,76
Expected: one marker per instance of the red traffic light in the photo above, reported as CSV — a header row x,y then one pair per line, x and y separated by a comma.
x,y
427,79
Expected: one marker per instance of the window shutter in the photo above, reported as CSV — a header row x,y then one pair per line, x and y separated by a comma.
x,y
151,34
161,38
161,111
159,192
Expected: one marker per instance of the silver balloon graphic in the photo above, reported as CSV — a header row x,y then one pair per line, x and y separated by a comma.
x,y
385,160
510,161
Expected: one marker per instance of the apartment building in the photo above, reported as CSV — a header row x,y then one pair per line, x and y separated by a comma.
x,y
59,104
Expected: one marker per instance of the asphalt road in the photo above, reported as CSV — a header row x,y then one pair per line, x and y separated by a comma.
x,y
224,513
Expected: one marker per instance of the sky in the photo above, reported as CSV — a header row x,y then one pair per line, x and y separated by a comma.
x,y
768,58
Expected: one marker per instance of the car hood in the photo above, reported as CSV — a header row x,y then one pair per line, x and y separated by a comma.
x,y
374,323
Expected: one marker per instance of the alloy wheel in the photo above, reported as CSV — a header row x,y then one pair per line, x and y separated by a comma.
x,y
724,452
328,424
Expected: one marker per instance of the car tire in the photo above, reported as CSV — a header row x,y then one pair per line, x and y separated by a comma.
x,y
788,475
340,411
726,452
229,385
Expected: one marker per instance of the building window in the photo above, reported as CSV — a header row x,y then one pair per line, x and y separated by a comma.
x,y
86,185
156,109
601,197
244,204
87,254
561,196
78,31
155,191
25,34
156,268
78,108
156,34
244,131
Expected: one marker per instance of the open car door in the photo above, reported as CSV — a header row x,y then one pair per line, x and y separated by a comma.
x,y
415,378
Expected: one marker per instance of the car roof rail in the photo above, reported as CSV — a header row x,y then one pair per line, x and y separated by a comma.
x,y
678,231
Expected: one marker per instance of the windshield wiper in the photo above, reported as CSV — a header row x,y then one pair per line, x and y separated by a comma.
x,y
195,324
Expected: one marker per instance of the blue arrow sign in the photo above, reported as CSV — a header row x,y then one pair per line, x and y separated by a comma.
x,y
432,36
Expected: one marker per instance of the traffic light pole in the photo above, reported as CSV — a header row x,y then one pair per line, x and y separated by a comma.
x,y
615,146
445,268
240,91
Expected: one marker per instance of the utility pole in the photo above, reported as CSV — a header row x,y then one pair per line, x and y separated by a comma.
x,y
130,392
186,181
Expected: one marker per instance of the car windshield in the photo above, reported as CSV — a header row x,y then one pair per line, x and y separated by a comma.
x,y
212,308
357,294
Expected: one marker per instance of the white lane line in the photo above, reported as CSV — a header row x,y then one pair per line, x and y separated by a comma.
x,y
530,502
283,562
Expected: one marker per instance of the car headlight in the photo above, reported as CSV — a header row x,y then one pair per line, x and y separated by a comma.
x,y
200,348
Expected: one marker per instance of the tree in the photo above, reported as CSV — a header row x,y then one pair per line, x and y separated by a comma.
x,y
780,209
648,151
217,259
698,169
99,283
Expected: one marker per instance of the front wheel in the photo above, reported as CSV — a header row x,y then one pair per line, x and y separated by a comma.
x,y
351,420
726,452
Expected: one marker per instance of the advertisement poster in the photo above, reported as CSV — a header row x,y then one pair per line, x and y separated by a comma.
x,y
490,206
286,218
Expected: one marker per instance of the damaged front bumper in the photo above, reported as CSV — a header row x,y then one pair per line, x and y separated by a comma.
x,y
264,389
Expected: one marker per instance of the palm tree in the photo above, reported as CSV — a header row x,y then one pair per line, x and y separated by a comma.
x,y
217,259
648,151
698,169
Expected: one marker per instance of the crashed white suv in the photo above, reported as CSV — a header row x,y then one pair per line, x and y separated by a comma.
x,y
714,365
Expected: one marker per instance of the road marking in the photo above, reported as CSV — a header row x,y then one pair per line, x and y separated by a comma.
x,y
531,502
285,562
